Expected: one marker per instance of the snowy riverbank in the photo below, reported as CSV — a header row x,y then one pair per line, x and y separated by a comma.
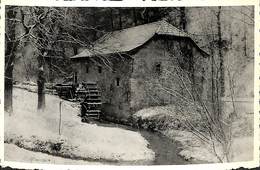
x,y
165,120
82,143
39,131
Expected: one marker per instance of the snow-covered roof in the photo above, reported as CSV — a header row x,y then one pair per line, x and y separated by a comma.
x,y
128,39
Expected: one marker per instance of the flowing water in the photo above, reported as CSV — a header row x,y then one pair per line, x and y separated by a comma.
x,y
166,151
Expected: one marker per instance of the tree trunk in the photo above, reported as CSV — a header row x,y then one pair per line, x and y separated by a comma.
x,y
245,37
11,46
40,83
213,90
147,17
183,20
9,65
8,94
120,19
111,19
221,57
134,16
94,23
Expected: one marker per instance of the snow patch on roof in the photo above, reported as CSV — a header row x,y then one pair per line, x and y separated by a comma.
x,y
128,39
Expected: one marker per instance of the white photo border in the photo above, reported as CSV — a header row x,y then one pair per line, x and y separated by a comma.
x,y
136,3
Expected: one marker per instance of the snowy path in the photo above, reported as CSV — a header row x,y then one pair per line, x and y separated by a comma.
x,y
38,131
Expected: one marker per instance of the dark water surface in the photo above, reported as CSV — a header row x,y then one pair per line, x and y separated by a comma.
x,y
166,151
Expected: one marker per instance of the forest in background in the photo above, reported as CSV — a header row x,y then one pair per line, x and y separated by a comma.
x,y
43,38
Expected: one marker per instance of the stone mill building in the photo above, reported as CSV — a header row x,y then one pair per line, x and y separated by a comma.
x,y
130,66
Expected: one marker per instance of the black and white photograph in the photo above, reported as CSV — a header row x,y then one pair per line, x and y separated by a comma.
x,y
129,85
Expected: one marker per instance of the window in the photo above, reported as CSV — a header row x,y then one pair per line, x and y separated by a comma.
x,y
99,69
87,68
128,96
158,68
75,77
202,76
117,81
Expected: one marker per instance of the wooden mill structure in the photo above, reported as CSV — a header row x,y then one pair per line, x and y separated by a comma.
x,y
91,104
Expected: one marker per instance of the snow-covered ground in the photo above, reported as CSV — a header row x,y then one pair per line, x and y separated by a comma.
x,y
242,146
192,148
39,131
32,87
29,86
13,152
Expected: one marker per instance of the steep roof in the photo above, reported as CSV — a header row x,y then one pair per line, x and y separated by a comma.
x,y
128,39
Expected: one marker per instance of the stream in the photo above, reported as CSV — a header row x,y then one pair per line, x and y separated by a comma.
x,y
166,151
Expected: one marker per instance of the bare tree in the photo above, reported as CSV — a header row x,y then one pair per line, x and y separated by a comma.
x,y
183,19
190,105
184,82
45,28
221,57
12,42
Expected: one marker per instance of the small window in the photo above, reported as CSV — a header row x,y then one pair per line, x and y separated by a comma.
x,y
75,77
99,69
202,76
87,69
158,68
128,96
117,81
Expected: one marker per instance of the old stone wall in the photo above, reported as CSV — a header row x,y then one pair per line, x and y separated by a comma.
x,y
113,80
150,87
